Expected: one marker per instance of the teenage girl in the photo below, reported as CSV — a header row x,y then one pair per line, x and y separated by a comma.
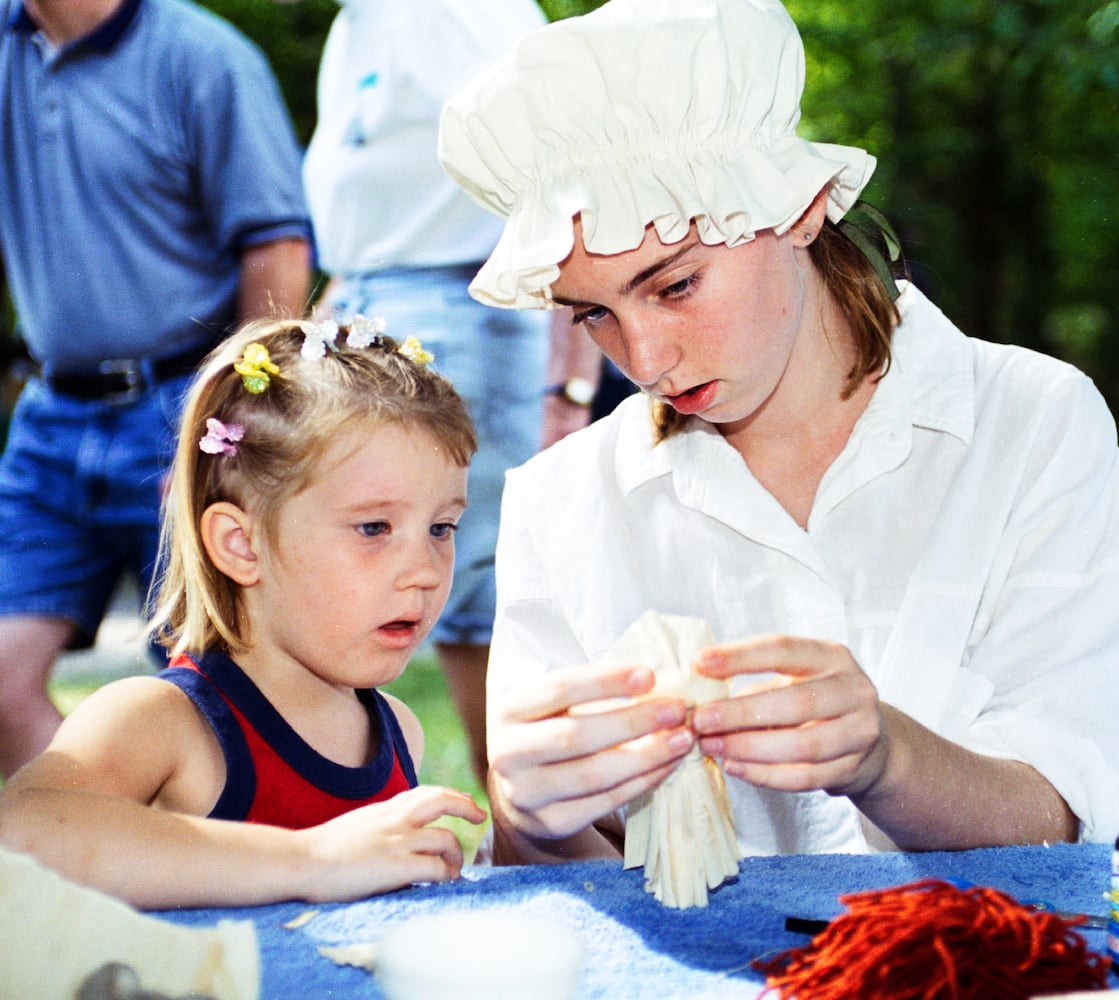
x,y
905,540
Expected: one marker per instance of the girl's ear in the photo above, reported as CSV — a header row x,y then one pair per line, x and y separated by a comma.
x,y
227,535
808,226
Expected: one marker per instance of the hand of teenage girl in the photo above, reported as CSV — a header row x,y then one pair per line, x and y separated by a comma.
x,y
562,755
813,722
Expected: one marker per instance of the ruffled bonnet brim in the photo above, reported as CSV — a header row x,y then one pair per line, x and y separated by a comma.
x,y
578,121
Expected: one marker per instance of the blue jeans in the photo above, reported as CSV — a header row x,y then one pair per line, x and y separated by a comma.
x,y
80,489
496,359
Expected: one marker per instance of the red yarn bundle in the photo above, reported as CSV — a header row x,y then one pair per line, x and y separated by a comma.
x,y
932,941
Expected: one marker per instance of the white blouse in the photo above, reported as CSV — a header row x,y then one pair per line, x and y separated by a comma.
x,y
964,546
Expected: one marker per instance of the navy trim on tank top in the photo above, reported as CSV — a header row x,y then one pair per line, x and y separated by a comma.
x,y
343,782
237,796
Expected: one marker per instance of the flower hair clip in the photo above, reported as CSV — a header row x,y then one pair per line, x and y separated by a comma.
x,y
221,439
365,332
362,332
414,351
256,368
317,337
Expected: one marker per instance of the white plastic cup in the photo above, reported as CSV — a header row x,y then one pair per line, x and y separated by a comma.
x,y
479,955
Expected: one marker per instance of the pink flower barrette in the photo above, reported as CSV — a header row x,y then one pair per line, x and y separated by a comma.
x,y
221,439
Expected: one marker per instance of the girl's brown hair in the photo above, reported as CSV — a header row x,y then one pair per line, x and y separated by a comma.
x,y
304,408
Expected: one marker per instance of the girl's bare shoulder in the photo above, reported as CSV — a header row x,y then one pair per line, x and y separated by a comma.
x,y
141,738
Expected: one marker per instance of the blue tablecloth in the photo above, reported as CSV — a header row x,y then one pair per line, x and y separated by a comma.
x,y
637,948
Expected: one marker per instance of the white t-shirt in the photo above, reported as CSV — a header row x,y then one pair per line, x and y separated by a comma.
x,y
964,546
377,194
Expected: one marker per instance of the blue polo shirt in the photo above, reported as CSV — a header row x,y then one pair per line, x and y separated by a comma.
x,y
138,161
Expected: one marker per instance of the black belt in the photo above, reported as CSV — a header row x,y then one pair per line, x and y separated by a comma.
x,y
126,379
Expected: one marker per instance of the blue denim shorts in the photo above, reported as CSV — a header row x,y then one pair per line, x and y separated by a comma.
x,y
496,360
80,489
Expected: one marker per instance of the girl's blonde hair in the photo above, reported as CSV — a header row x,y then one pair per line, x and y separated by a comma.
x,y
306,405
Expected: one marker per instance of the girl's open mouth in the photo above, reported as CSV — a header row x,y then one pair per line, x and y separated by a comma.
x,y
400,633
693,400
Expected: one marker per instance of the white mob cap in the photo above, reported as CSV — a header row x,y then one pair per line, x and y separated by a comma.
x,y
642,111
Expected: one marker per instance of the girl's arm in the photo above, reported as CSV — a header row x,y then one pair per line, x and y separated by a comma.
x,y
118,801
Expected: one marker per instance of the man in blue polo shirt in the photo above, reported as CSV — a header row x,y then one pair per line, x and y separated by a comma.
x,y
150,197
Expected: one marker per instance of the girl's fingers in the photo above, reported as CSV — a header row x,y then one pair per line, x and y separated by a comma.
x,y
435,802
795,704
790,655
560,690
814,744
438,842
795,777
572,737
563,817
590,777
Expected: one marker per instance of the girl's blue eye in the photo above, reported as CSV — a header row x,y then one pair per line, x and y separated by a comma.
x,y
444,530
371,529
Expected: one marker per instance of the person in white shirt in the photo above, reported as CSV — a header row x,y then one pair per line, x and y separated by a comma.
x,y
400,241
914,532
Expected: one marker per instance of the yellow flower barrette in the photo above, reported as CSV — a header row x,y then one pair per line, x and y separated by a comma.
x,y
414,351
256,368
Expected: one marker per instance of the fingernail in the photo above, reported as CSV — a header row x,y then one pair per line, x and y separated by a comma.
x,y
670,713
713,746
680,740
639,680
706,718
708,660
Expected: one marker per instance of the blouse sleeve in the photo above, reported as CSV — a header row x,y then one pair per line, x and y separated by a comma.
x,y
1047,631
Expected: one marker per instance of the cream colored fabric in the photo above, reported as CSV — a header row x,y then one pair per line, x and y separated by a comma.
x,y
56,934
643,111
682,832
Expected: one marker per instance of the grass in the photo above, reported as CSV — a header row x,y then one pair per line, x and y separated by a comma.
x,y
446,753
421,687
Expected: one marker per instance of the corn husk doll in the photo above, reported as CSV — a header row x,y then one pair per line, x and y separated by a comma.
x,y
682,832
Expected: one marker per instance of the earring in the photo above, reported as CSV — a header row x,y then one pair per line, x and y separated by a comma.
x,y
807,237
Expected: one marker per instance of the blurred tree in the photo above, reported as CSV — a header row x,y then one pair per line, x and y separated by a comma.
x,y
994,122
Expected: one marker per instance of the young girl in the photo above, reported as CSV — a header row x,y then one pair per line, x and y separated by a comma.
x,y
916,531
308,545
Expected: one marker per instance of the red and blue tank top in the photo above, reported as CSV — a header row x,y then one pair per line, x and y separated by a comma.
x,y
272,775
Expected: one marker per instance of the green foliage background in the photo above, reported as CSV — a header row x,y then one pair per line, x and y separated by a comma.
x,y
995,124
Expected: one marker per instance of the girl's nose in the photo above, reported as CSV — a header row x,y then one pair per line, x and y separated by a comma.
x,y
649,352
423,567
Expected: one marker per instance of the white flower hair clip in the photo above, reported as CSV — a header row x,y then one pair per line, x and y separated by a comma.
x,y
362,332
365,332
414,351
317,338
221,439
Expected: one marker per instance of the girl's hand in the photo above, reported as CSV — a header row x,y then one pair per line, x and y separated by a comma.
x,y
818,725
559,761
387,845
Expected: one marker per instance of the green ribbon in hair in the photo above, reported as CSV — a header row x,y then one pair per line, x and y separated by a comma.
x,y
871,231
